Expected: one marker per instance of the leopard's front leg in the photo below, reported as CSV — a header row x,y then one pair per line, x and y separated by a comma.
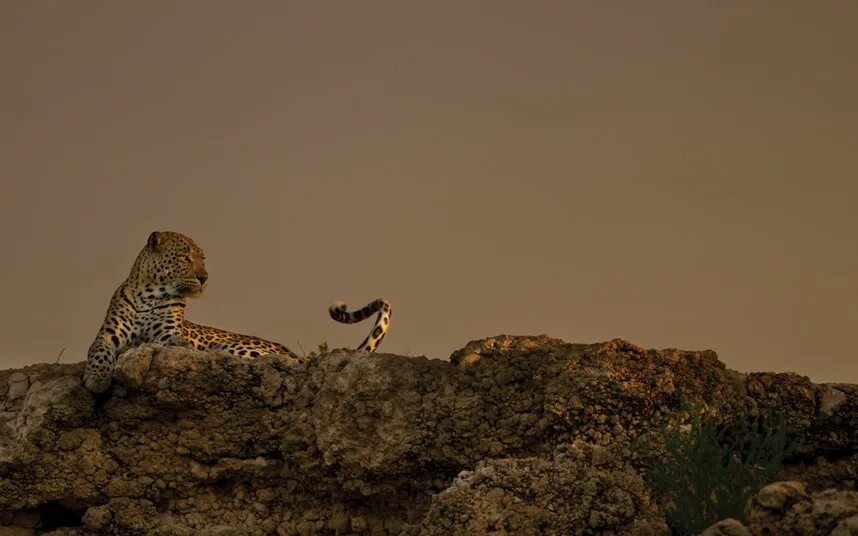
x,y
112,338
100,361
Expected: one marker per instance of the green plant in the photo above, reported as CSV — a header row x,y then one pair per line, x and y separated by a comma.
x,y
707,470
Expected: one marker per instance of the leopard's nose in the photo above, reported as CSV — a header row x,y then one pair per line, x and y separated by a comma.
x,y
202,278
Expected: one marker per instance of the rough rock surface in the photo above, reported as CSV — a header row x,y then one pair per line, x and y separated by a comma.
x,y
727,527
513,435
533,496
787,508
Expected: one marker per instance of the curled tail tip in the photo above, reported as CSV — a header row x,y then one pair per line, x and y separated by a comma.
x,y
339,312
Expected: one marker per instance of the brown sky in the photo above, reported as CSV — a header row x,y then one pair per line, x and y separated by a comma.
x,y
679,174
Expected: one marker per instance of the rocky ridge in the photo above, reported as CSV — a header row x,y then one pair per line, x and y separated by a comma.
x,y
512,435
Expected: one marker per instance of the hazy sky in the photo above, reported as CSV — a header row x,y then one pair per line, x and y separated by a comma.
x,y
679,174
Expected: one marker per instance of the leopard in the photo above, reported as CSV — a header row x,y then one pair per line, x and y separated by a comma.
x,y
149,307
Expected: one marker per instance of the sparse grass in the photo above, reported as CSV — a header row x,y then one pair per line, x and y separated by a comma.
x,y
320,349
707,470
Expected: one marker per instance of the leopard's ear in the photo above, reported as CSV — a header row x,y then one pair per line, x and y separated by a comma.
x,y
154,240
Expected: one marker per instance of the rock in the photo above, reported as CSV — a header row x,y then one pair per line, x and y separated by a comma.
x,y
846,527
787,508
17,377
97,517
537,496
727,527
133,365
68,531
16,531
780,497
18,385
831,398
822,474
129,516
62,399
522,433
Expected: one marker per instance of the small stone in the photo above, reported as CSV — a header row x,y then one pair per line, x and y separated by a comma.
x,y
305,528
830,400
97,517
727,527
18,386
504,377
16,377
265,495
470,359
199,471
260,509
780,495
111,466
69,440
846,527
359,524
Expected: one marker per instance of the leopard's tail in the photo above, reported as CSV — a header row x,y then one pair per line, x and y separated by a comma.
x,y
340,313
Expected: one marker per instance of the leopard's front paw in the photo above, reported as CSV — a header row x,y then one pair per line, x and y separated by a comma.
x,y
98,373
97,379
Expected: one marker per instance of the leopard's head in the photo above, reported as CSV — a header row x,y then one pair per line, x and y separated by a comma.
x,y
170,264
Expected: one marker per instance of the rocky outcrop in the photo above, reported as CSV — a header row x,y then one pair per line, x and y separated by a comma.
x,y
515,435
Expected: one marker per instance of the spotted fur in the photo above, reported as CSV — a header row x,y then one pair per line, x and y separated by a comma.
x,y
149,306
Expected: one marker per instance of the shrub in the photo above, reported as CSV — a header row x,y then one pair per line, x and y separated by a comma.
x,y
706,470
